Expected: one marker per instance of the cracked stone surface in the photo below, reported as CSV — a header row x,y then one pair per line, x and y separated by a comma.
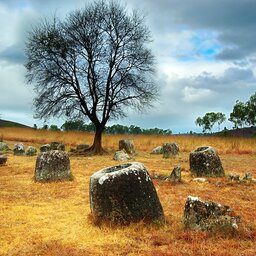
x,y
208,216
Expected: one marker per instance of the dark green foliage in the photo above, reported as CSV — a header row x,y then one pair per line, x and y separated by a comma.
x,y
209,120
79,125
238,115
54,127
244,114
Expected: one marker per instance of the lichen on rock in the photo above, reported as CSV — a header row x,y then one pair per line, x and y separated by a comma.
x,y
53,165
19,149
208,216
170,150
204,161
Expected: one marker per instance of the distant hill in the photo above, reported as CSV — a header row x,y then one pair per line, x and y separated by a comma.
x,y
241,132
6,123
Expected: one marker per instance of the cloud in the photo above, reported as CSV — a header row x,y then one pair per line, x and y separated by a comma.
x,y
15,94
233,23
238,74
14,54
191,95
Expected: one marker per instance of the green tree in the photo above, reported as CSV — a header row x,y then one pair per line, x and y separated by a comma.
x,y
251,110
54,127
76,125
239,114
133,129
209,120
204,122
219,118
95,64
45,127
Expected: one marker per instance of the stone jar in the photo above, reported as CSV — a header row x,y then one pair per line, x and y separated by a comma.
x,y
53,165
127,145
123,194
204,161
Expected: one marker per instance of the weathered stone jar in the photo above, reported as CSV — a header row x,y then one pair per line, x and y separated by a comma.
x,y
127,145
53,165
170,149
204,161
31,151
19,149
3,146
123,194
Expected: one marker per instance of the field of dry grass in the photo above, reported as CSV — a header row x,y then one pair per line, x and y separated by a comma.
x,y
54,218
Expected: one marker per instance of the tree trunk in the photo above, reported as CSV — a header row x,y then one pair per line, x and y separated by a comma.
x,y
96,148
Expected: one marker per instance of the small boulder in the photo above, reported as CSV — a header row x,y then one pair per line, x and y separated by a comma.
x,y
31,151
45,148
176,174
3,146
209,216
123,194
127,145
19,149
234,177
157,151
202,180
204,161
121,155
170,150
53,165
3,159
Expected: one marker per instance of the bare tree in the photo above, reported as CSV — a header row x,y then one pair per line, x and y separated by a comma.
x,y
95,64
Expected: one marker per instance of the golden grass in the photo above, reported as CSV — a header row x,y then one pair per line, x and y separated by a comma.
x,y
145,143
54,218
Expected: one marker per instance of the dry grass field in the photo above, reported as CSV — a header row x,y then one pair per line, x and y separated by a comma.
x,y
54,218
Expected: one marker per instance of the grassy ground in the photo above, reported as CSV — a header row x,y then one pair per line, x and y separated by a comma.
x,y
54,218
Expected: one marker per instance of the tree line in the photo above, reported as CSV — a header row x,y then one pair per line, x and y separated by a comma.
x,y
79,125
243,114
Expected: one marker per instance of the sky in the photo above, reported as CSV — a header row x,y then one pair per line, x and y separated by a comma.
x,y
205,52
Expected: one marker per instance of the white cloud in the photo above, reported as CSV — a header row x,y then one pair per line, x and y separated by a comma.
x,y
192,95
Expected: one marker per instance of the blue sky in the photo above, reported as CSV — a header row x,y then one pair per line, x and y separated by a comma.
x,y
205,52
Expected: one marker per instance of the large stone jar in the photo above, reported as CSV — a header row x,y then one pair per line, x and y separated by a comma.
x,y
53,165
204,161
123,194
